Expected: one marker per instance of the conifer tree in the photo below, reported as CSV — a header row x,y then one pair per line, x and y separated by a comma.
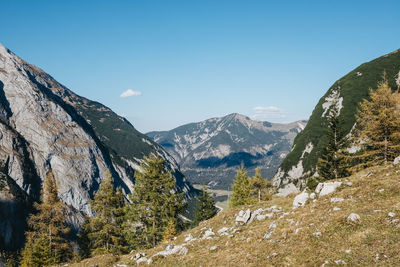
x,y
170,231
154,203
333,164
258,184
378,131
205,207
241,188
46,241
104,229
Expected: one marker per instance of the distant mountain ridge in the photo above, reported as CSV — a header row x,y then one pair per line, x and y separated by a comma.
x,y
212,150
44,126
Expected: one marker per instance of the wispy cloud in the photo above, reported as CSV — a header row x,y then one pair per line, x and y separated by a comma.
x,y
266,113
129,93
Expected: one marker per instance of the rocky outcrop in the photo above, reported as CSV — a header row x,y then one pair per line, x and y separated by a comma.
x,y
45,126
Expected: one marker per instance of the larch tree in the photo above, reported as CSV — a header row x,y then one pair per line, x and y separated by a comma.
x,y
241,189
103,231
154,203
378,126
47,242
333,163
205,208
259,184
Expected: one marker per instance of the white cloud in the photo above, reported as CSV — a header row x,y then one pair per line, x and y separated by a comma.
x,y
129,93
265,113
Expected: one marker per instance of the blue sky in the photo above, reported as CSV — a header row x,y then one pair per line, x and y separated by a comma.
x,y
186,61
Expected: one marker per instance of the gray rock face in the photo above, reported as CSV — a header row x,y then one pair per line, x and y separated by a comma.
x,y
44,126
211,151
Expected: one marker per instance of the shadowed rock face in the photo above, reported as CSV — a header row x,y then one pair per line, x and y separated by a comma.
x,y
211,151
44,126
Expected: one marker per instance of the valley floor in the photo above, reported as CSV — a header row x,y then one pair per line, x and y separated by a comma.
x,y
317,234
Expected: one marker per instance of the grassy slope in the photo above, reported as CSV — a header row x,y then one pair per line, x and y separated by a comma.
x,y
354,88
374,235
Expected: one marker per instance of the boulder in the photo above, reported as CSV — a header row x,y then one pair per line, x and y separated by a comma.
x,y
213,248
300,200
354,218
268,235
223,231
208,234
254,214
327,188
287,190
243,217
272,225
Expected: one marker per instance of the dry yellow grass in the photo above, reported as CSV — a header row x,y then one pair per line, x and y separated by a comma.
x,y
374,241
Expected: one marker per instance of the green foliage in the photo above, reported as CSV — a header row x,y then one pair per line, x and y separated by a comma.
x,y
154,203
312,182
241,188
333,164
46,241
378,131
353,88
103,233
258,184
205,207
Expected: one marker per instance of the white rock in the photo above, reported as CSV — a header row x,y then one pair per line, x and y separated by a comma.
x,y
262,217
396,160
254,214
353,217
381,190
349,184
327,188
183,251
377,210
336,209
317,234
208,234
213,248
268,235
143,259
171,250
189,238
340,262
347,251
325,263
300,200
336,199
223,231
298,229
287,190
391,214
272,225
313,195
243,217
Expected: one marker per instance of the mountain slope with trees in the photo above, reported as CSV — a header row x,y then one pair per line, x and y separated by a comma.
x,y
346,94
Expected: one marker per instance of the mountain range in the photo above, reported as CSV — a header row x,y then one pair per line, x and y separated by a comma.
x,y
45,126
347,93
210,152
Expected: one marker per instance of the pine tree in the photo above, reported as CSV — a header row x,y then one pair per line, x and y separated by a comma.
x,y
333,164
46,242
241,188
258,184
205,207
154,203
378,131
170,231
104,229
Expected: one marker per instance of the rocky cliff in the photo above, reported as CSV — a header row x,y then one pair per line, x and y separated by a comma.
x,y
211,151
45,126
